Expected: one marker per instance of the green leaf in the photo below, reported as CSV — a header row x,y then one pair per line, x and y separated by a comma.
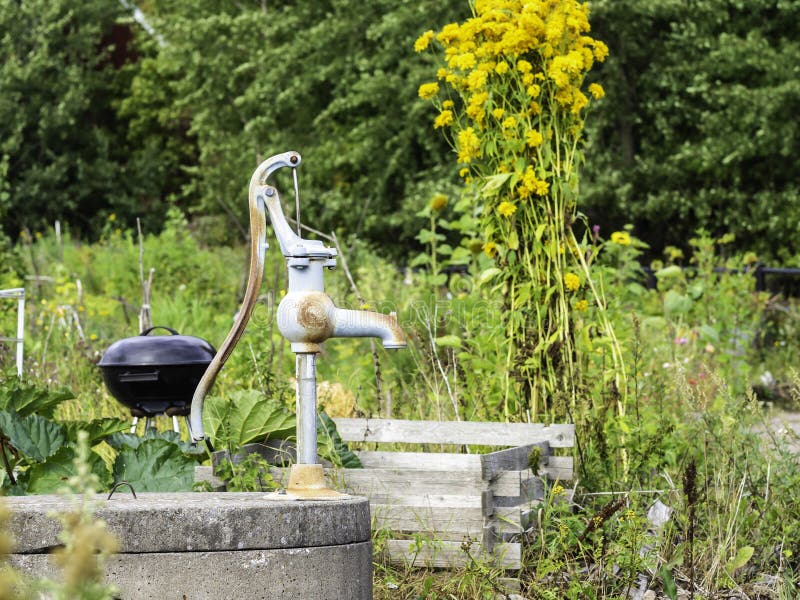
x,y
743,556
676,304
673,271
669,587
131,440
34,436
494,183
331,446
249,417
448,341
52,475
488,274
156,465
26,399
98,429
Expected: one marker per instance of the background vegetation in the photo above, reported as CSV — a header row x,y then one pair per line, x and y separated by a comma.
x,y
104,120
98,116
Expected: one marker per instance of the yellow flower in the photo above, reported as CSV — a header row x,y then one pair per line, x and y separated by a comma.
x,y
572,282
445,118
600,51
533,91
623,238
463,172
596,90
468,145
506,209
501,68
490,249
447,104
533,138
523,66
423,41
438,202
498,113
541,188
428,90
581,305
509,123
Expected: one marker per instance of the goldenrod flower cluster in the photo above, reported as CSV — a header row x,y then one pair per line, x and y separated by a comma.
x,y
508,59
572,282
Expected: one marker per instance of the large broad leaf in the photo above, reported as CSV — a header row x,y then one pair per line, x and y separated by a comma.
x,y
331,446
248,417
118,440
98,429
26,399
156,465
34,436
52,475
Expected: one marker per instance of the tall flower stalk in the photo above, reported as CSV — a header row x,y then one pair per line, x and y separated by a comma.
x,y
511,97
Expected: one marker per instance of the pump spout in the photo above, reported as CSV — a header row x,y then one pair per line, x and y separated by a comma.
x,y
366,323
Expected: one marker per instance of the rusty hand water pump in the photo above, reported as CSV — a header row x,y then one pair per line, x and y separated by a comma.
x,y
306,317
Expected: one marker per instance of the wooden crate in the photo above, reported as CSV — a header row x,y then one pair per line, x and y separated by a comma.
x,y
431,502
449,497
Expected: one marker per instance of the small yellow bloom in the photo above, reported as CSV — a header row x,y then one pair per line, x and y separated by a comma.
x,y
498,113
596,90
533,91
533,138
447,104
506,209
501,68
463,172
438,202
509,123
623,238
581,305
490,249
572,282
423,41
541,188
428,90
523,66
444,119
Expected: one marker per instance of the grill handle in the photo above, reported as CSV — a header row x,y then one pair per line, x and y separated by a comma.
x,y
138,377
149,329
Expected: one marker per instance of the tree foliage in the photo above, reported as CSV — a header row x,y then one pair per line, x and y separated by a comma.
x,y
697,129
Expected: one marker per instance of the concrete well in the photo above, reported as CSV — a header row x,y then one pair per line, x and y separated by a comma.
x,y
207,546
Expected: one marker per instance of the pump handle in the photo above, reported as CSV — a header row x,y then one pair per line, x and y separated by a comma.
x,y
258,247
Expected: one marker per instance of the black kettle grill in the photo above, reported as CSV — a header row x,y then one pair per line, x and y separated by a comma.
x,y
155,375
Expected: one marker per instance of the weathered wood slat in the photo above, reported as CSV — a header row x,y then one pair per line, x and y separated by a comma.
x,y
437,461
512,459
559,468
446,523
450,554
454,432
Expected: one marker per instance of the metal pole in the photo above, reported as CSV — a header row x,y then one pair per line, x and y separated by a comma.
x,y
20,331
307,408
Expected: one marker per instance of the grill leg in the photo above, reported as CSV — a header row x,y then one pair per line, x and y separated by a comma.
x,y
148,424
175,425
134,423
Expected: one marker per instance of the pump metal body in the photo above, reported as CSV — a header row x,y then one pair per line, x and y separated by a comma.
x,y
306,317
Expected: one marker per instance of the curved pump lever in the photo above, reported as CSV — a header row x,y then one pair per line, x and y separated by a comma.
x,y
258,247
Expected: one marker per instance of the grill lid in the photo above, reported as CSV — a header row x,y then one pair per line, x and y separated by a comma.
x,y
163,350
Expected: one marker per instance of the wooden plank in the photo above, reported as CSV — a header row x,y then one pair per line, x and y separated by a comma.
x,y
559,468
454,432
513,459
443,554
441,522
434,461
